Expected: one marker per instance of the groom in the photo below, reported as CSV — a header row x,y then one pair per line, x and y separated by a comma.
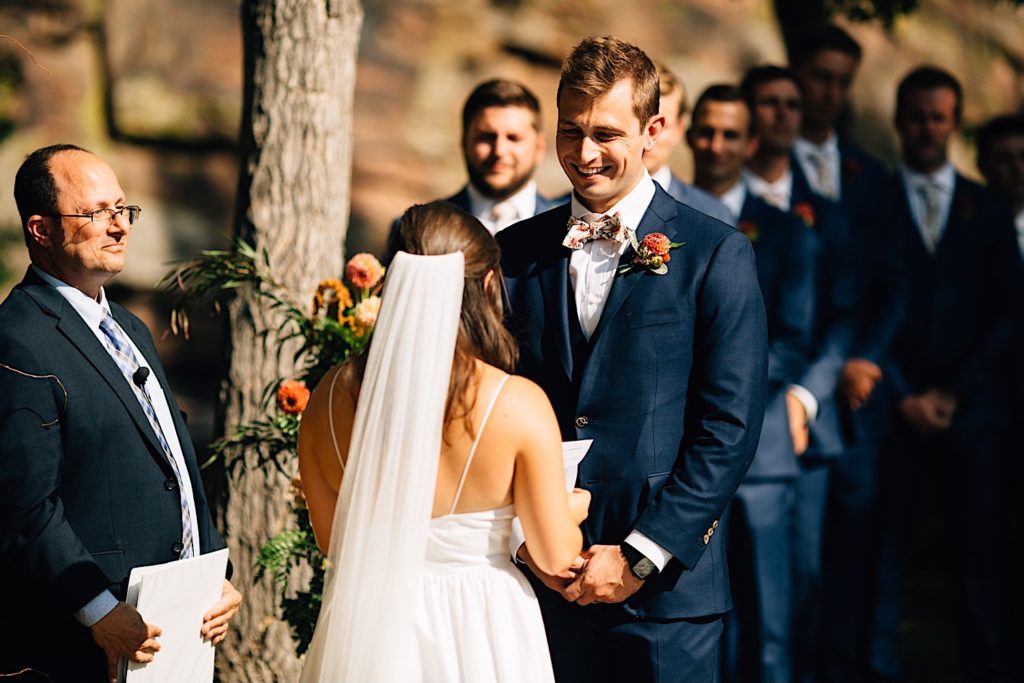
x,y
665,372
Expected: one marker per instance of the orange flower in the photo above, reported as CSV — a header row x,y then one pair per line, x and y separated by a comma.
x,y
805,211
748,228
292,396
364,270
332,297
658,244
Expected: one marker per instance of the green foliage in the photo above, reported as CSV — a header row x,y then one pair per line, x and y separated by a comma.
x,y
329,335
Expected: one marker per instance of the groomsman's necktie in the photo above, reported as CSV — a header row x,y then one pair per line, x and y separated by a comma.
x,y
826,181
121,352
502,215
931,200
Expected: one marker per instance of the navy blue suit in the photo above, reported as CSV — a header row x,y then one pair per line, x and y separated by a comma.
x,y
696,198
958,325
757,633
671,388
85,500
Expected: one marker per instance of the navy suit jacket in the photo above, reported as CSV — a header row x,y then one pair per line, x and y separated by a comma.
x,y
835,311
671,389
786,252
87,499
959,318
696,198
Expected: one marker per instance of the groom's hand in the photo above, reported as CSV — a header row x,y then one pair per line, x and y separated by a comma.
x,y
556,582
606,577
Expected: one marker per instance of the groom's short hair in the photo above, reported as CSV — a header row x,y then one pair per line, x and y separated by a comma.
x,y
597,64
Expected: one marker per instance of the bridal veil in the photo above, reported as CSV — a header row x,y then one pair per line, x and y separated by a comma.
x,y
365,632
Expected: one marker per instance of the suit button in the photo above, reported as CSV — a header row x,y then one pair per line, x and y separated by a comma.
x,y
171,485
177,547
714,525
582,421
711,532
706,539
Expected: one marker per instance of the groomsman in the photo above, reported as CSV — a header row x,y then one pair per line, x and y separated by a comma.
x,y
674,107
757,642
825,60
502,144
952,395
773,173
658,354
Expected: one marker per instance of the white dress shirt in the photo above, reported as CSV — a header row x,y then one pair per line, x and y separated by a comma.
x,y
778,193
942,182
663,176
733,198
498,215
820,164
93,312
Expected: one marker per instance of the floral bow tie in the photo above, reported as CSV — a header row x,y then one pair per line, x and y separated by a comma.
x,y
604,228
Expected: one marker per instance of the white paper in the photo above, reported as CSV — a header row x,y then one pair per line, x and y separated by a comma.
x,y
175,596
573,453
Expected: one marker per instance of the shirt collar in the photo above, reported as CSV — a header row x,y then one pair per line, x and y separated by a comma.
x,y
524,201
944,177
734,197
91,310
631,208
759,186
663,176
829,148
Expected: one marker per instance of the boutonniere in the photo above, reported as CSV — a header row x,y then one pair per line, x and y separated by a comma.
x,y
748,228
963,206
805,211
652,253
851,169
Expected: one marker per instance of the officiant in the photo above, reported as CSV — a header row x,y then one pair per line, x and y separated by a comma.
x,y
96,465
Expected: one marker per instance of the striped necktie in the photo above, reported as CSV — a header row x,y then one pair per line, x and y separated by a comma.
x,y
121,352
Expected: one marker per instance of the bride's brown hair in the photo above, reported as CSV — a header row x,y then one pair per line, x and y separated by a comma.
x,y
442,228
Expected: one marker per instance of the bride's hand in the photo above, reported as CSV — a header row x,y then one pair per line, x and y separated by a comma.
x,y
579,504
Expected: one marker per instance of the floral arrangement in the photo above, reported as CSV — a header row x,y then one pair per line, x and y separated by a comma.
x,y
652,253
805,211
337,326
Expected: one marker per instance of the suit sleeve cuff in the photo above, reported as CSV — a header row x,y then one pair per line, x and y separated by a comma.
x,y
651,550
806,399
97,608
516,539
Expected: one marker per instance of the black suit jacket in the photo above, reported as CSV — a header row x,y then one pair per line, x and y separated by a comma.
x,y
87,499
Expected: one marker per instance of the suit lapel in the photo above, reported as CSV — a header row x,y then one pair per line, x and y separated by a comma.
x,y
657,218
554,283
75,330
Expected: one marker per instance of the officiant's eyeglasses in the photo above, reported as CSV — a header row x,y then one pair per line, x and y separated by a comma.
x,y
105,215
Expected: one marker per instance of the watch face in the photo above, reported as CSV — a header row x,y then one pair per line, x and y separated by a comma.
x,y
644,568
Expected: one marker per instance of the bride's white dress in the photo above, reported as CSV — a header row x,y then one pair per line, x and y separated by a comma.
x,y
477,618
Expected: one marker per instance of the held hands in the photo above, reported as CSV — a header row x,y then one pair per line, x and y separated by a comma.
x,y
798,429
215,622
858,381
123,633
605,577
929,412
556,582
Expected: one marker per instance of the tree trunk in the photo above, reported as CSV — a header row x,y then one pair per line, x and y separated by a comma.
x,y
293,201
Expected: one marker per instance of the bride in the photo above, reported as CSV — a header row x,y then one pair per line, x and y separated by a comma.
x,y
415,459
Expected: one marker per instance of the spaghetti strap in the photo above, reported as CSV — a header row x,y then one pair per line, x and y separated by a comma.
x,y
330,418
476,442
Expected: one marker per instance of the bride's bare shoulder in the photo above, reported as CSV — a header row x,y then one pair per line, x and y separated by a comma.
x,y
521,398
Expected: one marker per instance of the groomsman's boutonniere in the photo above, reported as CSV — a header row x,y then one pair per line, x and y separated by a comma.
x,y
652,253
748,228
805,211
963,206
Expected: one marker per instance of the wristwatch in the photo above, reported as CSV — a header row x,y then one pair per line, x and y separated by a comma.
x,y
641,567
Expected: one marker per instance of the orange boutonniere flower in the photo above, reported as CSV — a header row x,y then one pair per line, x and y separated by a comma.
x,y
652,253
292,396
748,228
805,211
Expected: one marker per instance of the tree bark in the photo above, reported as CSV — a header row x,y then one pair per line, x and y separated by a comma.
x,y
293,201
